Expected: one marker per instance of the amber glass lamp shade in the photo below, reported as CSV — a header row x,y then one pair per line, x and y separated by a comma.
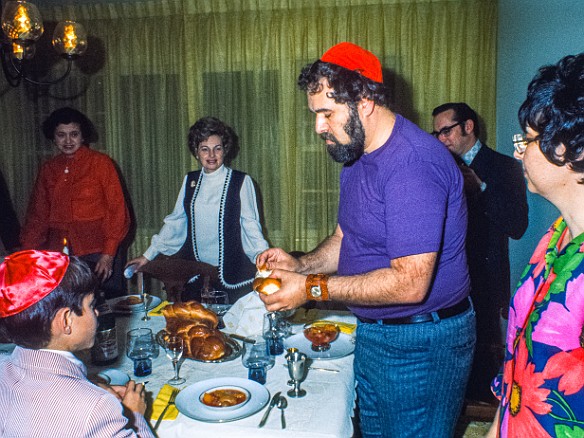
x,y
23,51
70,39
22,22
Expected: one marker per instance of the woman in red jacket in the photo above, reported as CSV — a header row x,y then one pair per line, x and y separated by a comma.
x,y
78,197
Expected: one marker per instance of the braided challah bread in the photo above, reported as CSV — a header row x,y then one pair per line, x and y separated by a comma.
x,y
198,328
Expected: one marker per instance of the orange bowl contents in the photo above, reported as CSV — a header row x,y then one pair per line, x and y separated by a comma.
x,y
224,397
132,300
321,335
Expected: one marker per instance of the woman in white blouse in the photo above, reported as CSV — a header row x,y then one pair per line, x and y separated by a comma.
x,y
215,219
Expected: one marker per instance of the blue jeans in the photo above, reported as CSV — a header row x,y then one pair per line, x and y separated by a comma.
x,y
411,378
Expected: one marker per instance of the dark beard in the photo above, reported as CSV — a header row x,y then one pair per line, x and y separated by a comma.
x,y
349,152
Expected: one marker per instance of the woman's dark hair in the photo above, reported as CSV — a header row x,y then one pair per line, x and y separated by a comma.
x,y
554,108
205,127
66,115
349,86
31,328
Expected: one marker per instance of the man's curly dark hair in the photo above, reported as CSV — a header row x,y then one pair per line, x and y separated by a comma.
x,y
349,86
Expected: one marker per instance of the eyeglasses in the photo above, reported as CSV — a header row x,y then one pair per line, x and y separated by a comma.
x,y
446,130
205,150
520,143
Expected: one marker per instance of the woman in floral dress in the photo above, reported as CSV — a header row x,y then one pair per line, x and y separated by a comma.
x,y
541,387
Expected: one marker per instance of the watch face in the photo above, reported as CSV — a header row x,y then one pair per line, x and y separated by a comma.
x,y
315,291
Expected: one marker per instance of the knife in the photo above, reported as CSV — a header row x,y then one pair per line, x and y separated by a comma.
x,y
241,338
273,403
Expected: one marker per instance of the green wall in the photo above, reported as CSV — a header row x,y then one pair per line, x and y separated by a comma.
x,y
532,33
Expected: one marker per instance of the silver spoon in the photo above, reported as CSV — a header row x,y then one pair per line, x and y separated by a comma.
x,y
283,404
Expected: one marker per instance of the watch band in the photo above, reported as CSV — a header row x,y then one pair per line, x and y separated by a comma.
x,y
317,287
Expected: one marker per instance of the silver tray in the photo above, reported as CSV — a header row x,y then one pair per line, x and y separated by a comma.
x,y
230,343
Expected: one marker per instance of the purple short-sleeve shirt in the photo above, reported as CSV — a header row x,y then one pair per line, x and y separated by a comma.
x,y
405,198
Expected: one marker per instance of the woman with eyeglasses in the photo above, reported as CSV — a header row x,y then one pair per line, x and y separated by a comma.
x,y
541,387
215,222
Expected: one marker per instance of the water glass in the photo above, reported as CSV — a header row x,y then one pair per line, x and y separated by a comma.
x,y
275,329
141,347
218,302
257,359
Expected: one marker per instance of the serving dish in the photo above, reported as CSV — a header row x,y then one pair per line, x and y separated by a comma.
x,y
234,349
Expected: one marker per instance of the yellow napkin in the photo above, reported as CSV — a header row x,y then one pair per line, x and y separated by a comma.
x,y
161,402
157,311
345,327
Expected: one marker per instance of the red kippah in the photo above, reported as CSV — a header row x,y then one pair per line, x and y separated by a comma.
x,y
26,277
355,58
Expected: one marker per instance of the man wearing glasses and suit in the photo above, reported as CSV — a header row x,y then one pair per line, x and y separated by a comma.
x,y
497,210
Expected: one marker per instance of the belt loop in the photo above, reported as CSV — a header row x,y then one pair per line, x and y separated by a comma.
x,y
435,317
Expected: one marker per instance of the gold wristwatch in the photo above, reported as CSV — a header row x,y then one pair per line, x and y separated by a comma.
x,y
317,288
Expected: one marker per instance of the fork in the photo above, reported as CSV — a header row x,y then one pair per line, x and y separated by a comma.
x,y
171,400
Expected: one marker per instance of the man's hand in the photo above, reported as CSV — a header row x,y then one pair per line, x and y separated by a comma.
x,y
104,267
291,295
277,258
472,183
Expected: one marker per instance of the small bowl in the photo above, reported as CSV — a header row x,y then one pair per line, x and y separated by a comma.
x,y
321,335
215,395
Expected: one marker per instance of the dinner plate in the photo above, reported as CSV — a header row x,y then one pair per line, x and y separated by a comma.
x,y
114,303
114,377
343,346
188,401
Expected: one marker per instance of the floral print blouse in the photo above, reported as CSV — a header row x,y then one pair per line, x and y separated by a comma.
x,y
541,387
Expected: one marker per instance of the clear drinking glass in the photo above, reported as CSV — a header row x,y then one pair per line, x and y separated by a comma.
x,y
141,347
257,359
144,295
174,348
275,329
218,302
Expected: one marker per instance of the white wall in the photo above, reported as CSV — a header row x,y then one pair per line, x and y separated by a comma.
x,y
531,33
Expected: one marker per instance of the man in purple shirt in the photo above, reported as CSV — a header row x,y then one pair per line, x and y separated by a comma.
x,y
398,252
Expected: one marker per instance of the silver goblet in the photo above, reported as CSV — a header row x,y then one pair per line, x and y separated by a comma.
x,y
297,370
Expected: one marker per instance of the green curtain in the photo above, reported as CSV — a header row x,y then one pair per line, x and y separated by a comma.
x,y
167,63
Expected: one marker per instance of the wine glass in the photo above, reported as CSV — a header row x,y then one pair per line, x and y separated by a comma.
x,y
141,347
218,302
174,347
144,296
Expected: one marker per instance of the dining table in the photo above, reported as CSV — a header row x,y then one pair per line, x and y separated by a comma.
x,y
325,411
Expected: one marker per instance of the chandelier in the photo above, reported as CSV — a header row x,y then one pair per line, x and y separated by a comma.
x,y
23,26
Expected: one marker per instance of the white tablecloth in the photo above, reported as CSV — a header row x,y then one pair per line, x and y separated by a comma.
x,y
325,411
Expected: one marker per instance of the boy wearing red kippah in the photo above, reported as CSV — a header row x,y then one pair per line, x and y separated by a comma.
x,y
47,308
397,254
